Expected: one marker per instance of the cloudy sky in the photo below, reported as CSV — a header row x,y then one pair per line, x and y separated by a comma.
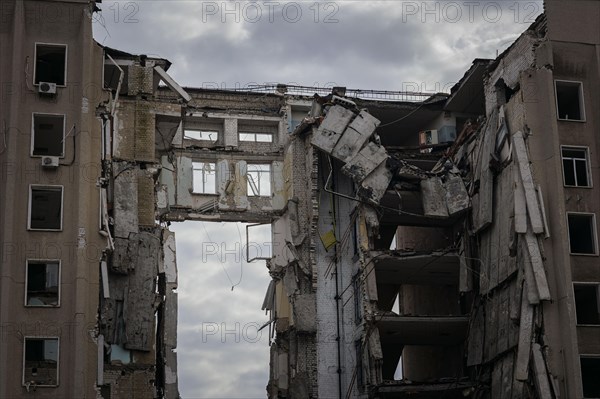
x,y
384,45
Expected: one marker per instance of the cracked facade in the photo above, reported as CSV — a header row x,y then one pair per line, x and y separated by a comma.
x,y
491,289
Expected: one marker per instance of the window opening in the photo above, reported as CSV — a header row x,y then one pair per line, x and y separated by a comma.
x,y
590,370
50,63
569,101
259,180
205,135
204,178
42,283
45,207
582,233
40,361
256,137
48,135
575,167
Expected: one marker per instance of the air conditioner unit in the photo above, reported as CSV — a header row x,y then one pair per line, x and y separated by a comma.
x,y
47,88
50,162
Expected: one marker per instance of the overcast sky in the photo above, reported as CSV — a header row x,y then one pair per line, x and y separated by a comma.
x,y
384,45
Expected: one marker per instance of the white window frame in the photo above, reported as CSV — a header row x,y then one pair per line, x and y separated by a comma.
x,y
202,170
40,261
594,232
257,183
597,285
62,201
581,100
33,114
32,337
252,137
202,133
35,48
587,164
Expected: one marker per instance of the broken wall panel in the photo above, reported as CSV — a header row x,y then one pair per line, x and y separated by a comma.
x,y
125,199
139,310
433,195
355,136
332,127
365,162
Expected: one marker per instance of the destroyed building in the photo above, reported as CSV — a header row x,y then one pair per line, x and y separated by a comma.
x,y
424,245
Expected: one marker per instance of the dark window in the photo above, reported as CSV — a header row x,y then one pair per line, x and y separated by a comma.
x,y
575,166
48,134
41,361
42,283
582,233
50,63
590,370
569,100
587,303
45,208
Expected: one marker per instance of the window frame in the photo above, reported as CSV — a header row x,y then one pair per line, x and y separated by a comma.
x,y
194,169
587,163
250,192
201,132
30,200
33,115
33,337
587,356
59,277
255,134
35,51
581,100
594,232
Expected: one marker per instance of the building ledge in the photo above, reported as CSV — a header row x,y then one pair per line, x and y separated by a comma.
x,y
422,330
405,208
435,268
404,389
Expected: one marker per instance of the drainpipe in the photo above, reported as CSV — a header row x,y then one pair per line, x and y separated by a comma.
x,y
337,299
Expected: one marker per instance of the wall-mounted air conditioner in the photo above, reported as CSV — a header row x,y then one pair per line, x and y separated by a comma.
x,y
49,162
47,88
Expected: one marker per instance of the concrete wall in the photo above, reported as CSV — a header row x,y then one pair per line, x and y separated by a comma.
x,y
78,245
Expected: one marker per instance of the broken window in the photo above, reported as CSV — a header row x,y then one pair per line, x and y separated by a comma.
x,y
204,178
582,233
205,135
587,303
569,100
50,63
576,170
257,137
40,366
296,115
259,180
48,135
590,370
45,207
42,281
